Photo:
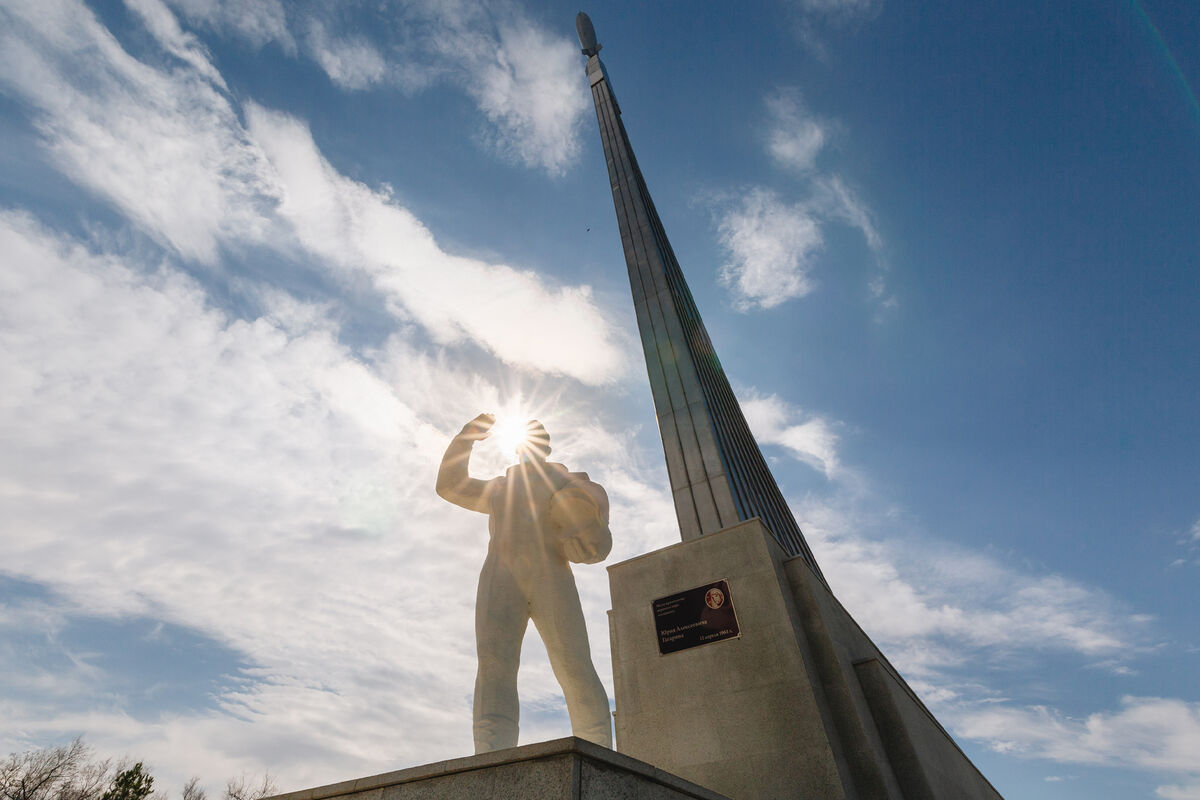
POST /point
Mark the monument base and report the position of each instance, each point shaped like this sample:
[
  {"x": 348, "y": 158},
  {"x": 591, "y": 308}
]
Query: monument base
[
  {"x": 735, "y": 667},
  {"x": 570, "y": 769}
]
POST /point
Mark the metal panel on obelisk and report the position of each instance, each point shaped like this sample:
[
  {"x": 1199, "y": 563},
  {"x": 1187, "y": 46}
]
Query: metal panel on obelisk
[{"x": 734, "y": 665}]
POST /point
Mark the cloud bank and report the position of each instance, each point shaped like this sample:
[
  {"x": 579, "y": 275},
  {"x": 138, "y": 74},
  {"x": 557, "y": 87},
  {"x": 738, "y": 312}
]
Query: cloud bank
[
  {"x": 167, "y": 149},
  {"x": 255, "y": 482}
]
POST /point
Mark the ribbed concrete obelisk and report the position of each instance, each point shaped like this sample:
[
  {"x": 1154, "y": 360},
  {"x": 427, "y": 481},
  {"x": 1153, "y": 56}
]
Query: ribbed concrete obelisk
[
  {"x": 718, "y": 474},
  {"x": 734, "y": 666}
]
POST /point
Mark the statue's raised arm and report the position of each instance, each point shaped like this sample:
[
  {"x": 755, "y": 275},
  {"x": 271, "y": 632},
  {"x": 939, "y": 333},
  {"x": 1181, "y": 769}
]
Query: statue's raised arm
[{"x": 454, "y": 482}]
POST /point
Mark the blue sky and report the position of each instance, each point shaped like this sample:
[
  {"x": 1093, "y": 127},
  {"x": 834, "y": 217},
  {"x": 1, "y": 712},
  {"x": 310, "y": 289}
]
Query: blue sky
[{"x": 262, "y": 259}]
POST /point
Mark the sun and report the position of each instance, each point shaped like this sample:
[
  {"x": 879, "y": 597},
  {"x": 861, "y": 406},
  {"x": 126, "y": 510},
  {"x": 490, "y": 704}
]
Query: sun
[{"x": 510, "y": 431}]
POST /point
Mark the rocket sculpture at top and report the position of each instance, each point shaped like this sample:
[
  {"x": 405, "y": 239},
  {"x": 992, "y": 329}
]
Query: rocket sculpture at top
[{"x": 718, "y": 475}]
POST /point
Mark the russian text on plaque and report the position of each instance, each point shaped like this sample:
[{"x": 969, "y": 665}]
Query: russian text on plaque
[{"x": 694, "y": 617}]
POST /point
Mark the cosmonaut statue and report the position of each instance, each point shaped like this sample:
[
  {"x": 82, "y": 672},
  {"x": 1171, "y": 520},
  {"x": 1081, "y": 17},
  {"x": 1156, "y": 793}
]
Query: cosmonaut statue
[{"x": 540, "y": 517}]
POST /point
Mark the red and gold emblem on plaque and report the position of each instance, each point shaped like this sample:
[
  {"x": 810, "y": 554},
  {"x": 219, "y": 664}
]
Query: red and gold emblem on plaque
[{"x": 714, "y": 598}]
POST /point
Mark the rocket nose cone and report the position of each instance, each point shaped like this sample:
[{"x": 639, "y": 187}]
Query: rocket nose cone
[{"x": 587, "y": 34}]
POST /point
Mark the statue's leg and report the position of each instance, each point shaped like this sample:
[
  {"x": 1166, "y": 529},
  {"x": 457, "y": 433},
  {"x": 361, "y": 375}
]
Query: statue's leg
[
  {"x": 558, "y": 616},
  {"x": 501, "y": 616}
]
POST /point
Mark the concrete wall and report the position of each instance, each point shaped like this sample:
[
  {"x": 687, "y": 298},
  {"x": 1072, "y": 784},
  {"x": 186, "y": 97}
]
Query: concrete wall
[
  {"x": 922, "y": 758},
  {"x": 563, "y": 769},
  {"x": 732, "y": 715},
  {"x": 802, "y": 705}
]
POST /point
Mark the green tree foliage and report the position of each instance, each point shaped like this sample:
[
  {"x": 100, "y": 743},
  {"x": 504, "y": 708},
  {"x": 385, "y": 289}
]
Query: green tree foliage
[{"x": 134, "y": 783}]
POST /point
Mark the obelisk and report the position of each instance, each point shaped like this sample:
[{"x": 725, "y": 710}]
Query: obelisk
[
  {"x": 734, "y": 666},
  {"x": 718, "y": 474}
]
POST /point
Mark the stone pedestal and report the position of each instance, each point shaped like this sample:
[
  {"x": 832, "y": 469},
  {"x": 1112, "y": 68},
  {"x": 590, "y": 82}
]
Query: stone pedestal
[
  {"x": 563, "y": 769},
  {"x": 801, "y": 704}
]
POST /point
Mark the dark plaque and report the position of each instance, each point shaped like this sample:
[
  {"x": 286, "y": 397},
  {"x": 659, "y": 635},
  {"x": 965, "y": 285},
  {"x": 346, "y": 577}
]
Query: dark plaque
[{"x": 697, "y": 616}]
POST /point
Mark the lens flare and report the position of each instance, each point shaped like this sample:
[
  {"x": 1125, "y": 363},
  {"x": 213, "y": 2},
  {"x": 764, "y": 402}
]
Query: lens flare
[{"x": 510, "y": 432}]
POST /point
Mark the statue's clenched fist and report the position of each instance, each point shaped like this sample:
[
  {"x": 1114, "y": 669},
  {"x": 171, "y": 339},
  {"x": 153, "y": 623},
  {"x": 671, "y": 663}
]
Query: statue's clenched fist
[{"x": 479, "y": 428}]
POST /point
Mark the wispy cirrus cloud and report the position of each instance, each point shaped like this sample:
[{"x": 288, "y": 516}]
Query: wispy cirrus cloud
[
  {"x": 812, "y": 15},
  {"x": 1190, "y": 543},
  {"x": 167, "y": 148},
  {"x": 163, "y": 25},
  {"x": 794, "y": 137},
  {"x": 350, "y": 226},
  {"x": 259, "y": 484},
  {"x": 350, "y": 61},
  {"x": 808, "y": 437},
  {"x": 258, "y": 22},
  {"x": 773, "y": 244},
  {"x": 1145, "y": 732},
  {"x": 839, "y": 8},
  {"x": 163, "y": 146},
  {"x": 1148, "y": 733},
  {"x": 168, "y": 460},
  {"x": 939, "y": 611},
  {"x": 931, "y": 605},
  {"x": 524, "y": 79}
]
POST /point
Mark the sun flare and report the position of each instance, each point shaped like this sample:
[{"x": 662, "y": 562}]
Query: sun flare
[{"x": 510, "y": 432}]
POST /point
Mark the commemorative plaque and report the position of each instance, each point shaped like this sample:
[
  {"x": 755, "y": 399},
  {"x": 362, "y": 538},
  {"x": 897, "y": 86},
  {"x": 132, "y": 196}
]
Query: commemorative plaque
[{"x": 695, "y": 617}]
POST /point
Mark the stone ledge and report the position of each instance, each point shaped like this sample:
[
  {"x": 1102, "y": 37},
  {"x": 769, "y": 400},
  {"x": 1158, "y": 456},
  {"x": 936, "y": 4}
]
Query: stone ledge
[{"x": 551, "y": 769}]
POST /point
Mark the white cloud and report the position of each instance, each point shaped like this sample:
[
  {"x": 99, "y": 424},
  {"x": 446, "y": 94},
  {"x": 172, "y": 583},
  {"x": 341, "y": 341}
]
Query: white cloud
[
  {"x": 527, "y": 82},
  {"x": 840, "y": 8},
  {"x": 168, "y": 150},
  {"x": 166, "y": 458},
  {"x": 771, "y": 245},
  {"x": 531, "y": 91},
  {"x": 933, "y": 608},
  {"x": 162, "y": 24},
  {"x": 811, "y": 440},
  {"x": 1179, "y": 792},
  {"x": 259, "y": 22},
  {"x": 510, "y": 311},
  {"x": 256, "y": 482},
  {"x": 350, "y": 62},
  {"x": 795, "y": 137},
  {"x": 940, "y": 613},
  {"x": 838, "y": 201},
  {"x": 165, "y": 148},
  {"x": 1149, "y": 733},
  {"x": 812, "y": 15}
]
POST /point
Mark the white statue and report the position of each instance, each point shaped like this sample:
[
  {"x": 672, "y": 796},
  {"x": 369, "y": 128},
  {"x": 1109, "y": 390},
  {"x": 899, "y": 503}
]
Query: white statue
[{"x": 540, "y": 516}]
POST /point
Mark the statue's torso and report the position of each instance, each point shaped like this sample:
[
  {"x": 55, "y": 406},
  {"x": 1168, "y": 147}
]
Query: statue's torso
[{"x": 522, "y": 535}]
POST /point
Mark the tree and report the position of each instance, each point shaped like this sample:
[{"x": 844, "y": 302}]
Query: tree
[
  {"x": 245, "y": 789},
  {"x": 57, "y": 773},
  {"x": 131, "y": 784},
  {"x": 193, "y": 791},
  {"x": 70, "y": 772}
]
